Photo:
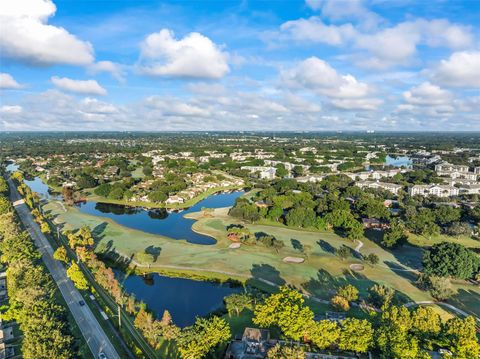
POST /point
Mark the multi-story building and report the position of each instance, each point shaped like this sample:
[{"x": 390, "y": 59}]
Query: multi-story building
[
  {"x": 448, "y": 167},
  {"x": 391, "y": 187},
  {"x": 263, "y": 172},
  {"x": 434, "y": 190}
]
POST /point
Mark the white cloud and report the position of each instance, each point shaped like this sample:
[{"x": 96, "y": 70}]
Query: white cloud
[
  {"x": 378, "y": 48},
  {"x": 313, "y": 29},
  {"x": 110, "y": 67},
  {"x": 194, "y": 56},
  {"x": 366, "y": 104},
  {"x": 28, "y": 37},
  {"x": 87, "y": 87},
  {"x": 8, "y": 82},
  {"x": 346, "y": 9},
  {"x": 345, "y": 91},
  {"x": 169, "y": 106},
  {"x": 94, "y": 106},
  {"x": 11, "y": 110},
  {"x": 397, "y": 45},
  {"x": 428, "y": 101},
  {"x": 462, "y": 69},
  {"x": 427, "y": 94}
]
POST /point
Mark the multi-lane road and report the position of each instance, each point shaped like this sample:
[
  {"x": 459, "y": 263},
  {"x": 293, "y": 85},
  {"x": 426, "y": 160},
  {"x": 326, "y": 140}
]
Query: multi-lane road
[{"x": 93, "y": 333}]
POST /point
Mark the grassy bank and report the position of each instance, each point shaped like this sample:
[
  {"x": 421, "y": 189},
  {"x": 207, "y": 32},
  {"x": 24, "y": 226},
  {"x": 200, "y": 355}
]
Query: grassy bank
[{"x": 90, "y": 196}]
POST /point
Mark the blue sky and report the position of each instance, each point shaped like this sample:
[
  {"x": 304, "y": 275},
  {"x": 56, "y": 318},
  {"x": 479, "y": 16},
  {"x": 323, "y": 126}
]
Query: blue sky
[{"x": 239, "y": 65}]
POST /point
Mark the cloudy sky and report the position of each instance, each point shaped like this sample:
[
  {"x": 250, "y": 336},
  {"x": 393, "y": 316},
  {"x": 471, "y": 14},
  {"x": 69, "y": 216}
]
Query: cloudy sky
[{"x": 239, "y": 65}]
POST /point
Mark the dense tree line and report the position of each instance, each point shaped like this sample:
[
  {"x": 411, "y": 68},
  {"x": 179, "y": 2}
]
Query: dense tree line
[
  {"x": 31, "y": 293},
  {"x": 395, "y": 332}
]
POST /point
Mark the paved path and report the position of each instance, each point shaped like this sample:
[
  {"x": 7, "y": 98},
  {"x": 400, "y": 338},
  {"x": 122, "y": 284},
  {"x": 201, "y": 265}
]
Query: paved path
[
  {"x": 359, "y": 246},
  {"x": 93, "y": 333}
]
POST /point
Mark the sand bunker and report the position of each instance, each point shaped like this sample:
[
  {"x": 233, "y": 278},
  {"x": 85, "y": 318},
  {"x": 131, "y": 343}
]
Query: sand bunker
[
  {"x": 357, "y": 267},
  {"x": 234, "y": 245},
  {"x": 293, "y": 260}
]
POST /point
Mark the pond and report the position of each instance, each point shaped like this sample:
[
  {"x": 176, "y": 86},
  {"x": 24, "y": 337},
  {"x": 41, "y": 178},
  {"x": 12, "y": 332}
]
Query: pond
[
  {"x": 36, "y": 185},
  {"x": 185, "y": 299},
  {"x": 159, "y": 221},
  {"x": 401, "y": 161}
]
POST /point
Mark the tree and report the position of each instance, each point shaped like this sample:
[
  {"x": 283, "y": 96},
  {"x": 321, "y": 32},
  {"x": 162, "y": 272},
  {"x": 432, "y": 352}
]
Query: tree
[
  {"x": 60, "y": 254},
  {"x": 157, "y": 196},
  {"x": 459, "y": 228},
  {"x": 275, "y": 212},
  {"x": 356, "y": 335},
  {"x": 340, "y": 303},
  {"x": 349, "y": 292},
  {"x": 103, "y": 190},
  {"x": 236, "y": 303},
  {"x": 77, "y": 277},
  {"x": 45, "y": 228},
  {"x": 116, "y": 193},
  {"x": 425, "y": 323},
  {"x": 392, "y": 336},
  {"x": 395, "y": 235},
  {"x": 343, "y": 252},
  {"x": 462, "y": 338},
  {"x": 144, "y": 257},
  {"x": 286, "y": 352},
  {"x": 5, "y": 205},
  {"x": 324, "y": 333},
  {"x": 372, "y": 258},
  {"x": 445, "y": 215},
  {"x": 169, "y": 330},
  {"x": 440, "y": 287},
  {"x": 380, "y": 295},
  {"x": 196, "y": 341},
  {"x": 286, "y": 311},
  {"x": 450, "y": 260}
]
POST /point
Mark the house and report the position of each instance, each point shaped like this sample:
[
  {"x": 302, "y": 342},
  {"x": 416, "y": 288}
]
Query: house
[
  {"x": 254, "y": 344},
  {"x": 391, "y": 187},
  {"x": 470, "y": 189},
  {"x": 174, "y": 200},
  {"x": 374, "y": 223},
  {"x": 310, "y": 178},
  {"x": 434, "y": 190}
]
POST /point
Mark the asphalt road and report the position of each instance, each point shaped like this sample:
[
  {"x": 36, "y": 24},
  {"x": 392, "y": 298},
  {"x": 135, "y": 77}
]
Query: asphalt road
[{"x": 93, "y": 333}]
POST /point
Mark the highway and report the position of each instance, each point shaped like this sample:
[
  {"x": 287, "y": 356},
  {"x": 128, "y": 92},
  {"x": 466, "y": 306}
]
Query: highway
[{"x": 93, "y": 333}]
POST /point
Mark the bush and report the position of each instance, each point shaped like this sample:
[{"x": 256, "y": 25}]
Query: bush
[{"x": 339, "y": 303}]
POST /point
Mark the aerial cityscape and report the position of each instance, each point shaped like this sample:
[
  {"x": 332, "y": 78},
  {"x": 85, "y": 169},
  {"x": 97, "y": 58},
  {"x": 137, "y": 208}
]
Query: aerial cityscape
[{"x": 239, "y": 179}]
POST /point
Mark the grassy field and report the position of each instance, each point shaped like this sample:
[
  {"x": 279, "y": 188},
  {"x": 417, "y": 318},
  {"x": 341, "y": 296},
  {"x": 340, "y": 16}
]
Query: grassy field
[{"x": 320, "y": 274}]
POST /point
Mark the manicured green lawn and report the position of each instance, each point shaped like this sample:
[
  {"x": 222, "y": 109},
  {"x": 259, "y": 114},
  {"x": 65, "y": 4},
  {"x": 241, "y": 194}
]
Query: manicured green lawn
[{"x": 320, "y": 275}]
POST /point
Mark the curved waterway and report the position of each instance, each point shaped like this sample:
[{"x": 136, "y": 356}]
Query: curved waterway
[
  {"x": 159, "y": 221},
  {"x": 185, "y": 299}
]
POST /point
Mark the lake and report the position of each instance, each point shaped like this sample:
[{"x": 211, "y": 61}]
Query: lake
[
  {"x": 185, "y": 299},
  {"x": 401, "y": 161},
  {"x": 159, "y": 221}
]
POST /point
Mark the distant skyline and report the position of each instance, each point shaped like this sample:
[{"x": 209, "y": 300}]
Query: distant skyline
[{"x": 318, "y": 65}]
